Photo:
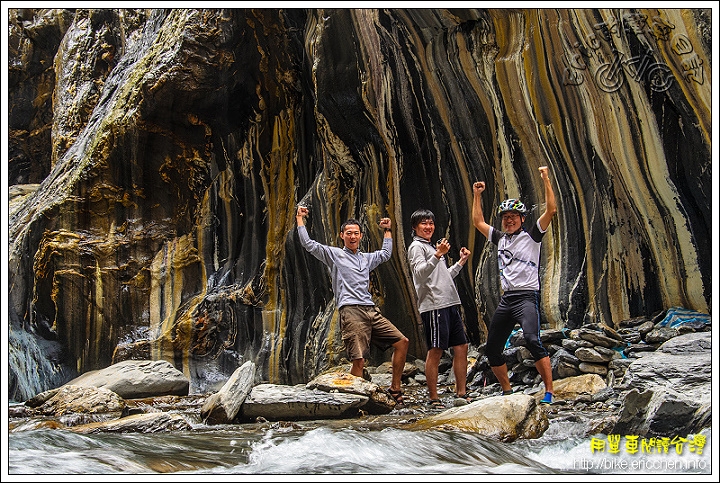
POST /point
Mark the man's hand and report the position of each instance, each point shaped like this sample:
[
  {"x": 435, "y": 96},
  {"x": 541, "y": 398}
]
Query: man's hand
[
  {"x": 464, "y": 255},
  {"x": 442, "y": 247},
  {"x": 479, "y": 186},
  {"x": 302, "y": 211},
  {"x": 543, "y": 172},
  {"x": 385, "y": 223}
]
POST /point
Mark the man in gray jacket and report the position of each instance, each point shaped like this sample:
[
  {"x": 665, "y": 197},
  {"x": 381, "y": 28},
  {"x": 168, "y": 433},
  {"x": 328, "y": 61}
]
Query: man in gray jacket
[
  {"x": 360, "y": 320},
  {"x": 438, "y": 303}
]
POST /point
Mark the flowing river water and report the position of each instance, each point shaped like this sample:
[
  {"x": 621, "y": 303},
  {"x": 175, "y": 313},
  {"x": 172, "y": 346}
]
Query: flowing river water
[{"x": 344, "y": 447}]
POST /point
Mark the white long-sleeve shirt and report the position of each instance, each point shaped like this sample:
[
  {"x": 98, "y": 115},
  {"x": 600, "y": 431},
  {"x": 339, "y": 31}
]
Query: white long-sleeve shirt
[{"x": 433, "y": 280}]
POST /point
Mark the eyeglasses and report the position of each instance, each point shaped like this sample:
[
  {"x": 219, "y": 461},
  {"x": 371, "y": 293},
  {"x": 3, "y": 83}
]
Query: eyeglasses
[{"x": 510, "y": 216}]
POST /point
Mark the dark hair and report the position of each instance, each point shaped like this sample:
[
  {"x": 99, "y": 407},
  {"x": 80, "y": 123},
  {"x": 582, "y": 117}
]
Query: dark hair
[
  {"x": 350, "y": 221},
  {"x": 421, "y": 215}
]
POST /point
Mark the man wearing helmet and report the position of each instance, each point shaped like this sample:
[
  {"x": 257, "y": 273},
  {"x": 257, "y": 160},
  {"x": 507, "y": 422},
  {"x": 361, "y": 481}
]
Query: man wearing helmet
[{"x": 518, "y": 261}]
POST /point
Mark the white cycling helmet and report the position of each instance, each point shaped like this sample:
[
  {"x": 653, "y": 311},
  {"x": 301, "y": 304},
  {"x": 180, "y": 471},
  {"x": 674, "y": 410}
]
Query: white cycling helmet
[{"x": 512, "y": 204}]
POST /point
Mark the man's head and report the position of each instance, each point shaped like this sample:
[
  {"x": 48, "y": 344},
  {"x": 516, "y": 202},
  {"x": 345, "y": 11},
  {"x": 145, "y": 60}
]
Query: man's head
[
  {"x": 512, "y": 213},
  {"x": 351, "y": 234},
  {"x": 423, "y": 223}
]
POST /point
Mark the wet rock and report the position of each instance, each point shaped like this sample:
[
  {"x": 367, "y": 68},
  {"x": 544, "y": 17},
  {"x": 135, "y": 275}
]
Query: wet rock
[
  {"x": 138, "y": 350},
  {"x": 505, "y": 418},
  {"x": 138, "y": 423}
]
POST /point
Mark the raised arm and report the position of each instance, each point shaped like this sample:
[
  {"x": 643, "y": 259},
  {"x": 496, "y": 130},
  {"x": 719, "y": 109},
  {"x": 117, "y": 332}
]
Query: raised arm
[
  {"x": 300, "y": 215},
  {"x": 550, "y": 206},
  {"x": 477, "y": 213},
  {"x": 318, "y": 250},
  {"x": 386, "y": 225}
]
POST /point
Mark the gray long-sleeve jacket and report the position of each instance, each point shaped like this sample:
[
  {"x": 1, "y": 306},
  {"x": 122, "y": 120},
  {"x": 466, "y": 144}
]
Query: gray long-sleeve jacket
[
  {"x": 350, "y": 272},
  {"x": 433, "y": 279}
]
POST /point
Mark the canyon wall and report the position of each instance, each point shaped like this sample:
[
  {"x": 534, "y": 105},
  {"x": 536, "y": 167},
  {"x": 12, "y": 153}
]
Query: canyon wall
[{"x": 156, "y": 159}]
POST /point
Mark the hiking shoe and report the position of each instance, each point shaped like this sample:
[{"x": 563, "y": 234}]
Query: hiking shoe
[{"x": 548, "y": 399}]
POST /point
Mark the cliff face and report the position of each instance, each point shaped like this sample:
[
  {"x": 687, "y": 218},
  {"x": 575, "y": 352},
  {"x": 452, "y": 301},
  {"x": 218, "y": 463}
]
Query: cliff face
[{"x": 171, "y": 148}]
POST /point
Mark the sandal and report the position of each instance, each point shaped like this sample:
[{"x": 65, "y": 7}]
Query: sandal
[
  {"x": 465, "y": 397},
  {"x": 437, "y": 404},
  {"x": 396, "y": 395}
]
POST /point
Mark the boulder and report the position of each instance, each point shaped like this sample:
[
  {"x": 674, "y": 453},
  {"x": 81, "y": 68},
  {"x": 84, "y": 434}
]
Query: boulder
[
  {"x": 223, "y": 406},
  {"x": 280, "y": 402},
  {"x": 595, "y": 337},
  {"x": 137, "y": 379},
  {"x": 504, "y": 418},
  {"x": 565, "y": 369},
  {"x": 661, "y": 334},
  {"x": 70, "y": 399},
  {"x": 669, "y": 391},
  {"x": 138, "y": 423},
  {"x": 588, "y": 354},
  {"x": 571, "y": 388},
  {"x": 379, "y": 400},
  {"x": 590, "y": 368},
  {"x": 409, "y": 370}
]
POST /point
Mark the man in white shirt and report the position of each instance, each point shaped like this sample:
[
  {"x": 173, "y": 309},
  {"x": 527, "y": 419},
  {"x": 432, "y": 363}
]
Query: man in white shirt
[{"x": 518, "y": 261}]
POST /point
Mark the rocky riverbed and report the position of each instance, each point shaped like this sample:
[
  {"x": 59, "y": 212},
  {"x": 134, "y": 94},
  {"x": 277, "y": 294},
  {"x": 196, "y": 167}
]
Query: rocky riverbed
[{"x": 602, "y": 377}]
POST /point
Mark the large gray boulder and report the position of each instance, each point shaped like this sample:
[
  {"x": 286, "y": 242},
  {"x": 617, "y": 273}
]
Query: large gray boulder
[
  {"x": 133, "y": 379},
  {"x": 669, "y": 391}
]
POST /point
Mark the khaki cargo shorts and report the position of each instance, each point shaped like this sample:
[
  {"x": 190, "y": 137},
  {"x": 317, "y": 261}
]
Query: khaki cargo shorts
[{"x": 362, "y": 325}]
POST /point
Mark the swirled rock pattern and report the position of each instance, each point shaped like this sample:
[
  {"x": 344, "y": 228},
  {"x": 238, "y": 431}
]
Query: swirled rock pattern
[{"x": 170, "y": 148}]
